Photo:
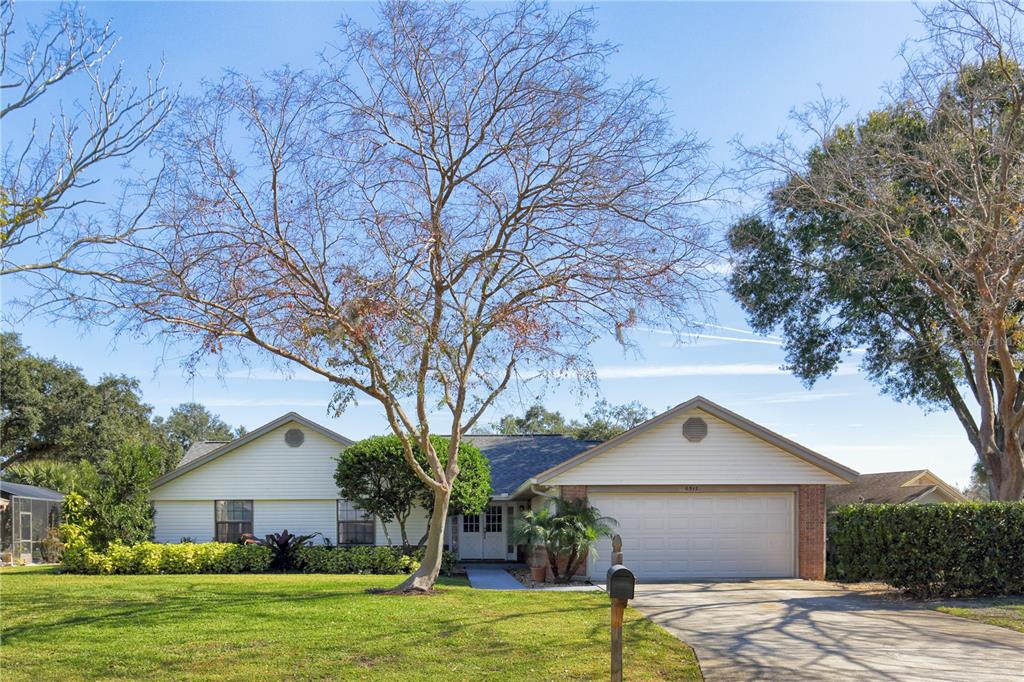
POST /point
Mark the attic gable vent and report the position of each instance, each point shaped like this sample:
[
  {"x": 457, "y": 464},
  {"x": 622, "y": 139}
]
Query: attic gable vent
[
  {"x": 695, "y": 429},
  {"x": 294, "y": 437}
]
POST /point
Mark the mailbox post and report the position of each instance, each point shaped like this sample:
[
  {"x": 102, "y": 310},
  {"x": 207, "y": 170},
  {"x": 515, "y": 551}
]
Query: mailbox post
[{"x": 620, "y": 584}]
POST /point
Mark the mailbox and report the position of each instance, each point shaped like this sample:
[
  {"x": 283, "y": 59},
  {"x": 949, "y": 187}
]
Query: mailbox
[{"x": 620, "y": 582}]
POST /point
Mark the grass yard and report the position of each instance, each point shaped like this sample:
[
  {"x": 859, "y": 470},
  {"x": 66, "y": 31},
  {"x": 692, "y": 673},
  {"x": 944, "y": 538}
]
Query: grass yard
[
  {"x": 245, "y": 627},
  {"x": 1006, "y": 612}
]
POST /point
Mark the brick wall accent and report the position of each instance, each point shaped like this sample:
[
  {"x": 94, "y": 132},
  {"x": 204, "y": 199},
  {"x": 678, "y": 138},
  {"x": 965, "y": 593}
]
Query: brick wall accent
[
  {"x": 810, "y": 520},
  {"x": 574, "y": 492}
]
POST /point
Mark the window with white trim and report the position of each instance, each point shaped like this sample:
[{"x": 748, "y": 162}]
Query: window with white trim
[
  {"x": 355, "y": 527},
  {"x": 232, "y": 519},
  {"x": 470, "y": 523}
]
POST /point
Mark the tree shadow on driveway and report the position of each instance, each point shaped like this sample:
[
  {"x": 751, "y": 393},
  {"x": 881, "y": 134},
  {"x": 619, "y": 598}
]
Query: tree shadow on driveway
[{"x": 788, "y": 629}]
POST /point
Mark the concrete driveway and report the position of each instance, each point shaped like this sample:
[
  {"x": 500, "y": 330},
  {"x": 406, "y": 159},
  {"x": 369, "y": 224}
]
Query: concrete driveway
[{"x": 800, "y": 630}]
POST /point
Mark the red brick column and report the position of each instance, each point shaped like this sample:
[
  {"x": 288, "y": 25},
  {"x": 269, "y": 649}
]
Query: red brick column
[
  {"x": 810, "y": 520},
  {"x": 574, "y": 492}
]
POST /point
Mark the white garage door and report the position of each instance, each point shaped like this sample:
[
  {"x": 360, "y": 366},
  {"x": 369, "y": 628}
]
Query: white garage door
[{"x": 679, "y": 536}]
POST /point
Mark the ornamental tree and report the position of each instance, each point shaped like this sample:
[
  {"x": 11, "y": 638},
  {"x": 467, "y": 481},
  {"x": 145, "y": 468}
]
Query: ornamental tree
[
  {"x": 97, "y": 118},
  {"x": 458, "y": 199},
  {"x": 374, "y": 475}
]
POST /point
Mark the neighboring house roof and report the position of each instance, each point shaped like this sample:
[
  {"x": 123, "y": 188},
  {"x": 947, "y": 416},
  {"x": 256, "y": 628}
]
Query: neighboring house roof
[
  {"x": 514, "y": 459},
  {"x": 33, "y": 491},
  {"x": 715, "y": 410},
  {"x": 200, "y": 448},
  {"x": 188, "y": 465},
  {"x": 891, "y": 487}
]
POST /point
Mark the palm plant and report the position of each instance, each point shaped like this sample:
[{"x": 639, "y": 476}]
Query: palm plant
[{"x": 569, "y": 532}]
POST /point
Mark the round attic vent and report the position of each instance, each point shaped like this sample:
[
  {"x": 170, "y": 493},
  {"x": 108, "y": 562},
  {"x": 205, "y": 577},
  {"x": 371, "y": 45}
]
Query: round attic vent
[
  {"x": 695, "y": 429},
  {"x": 294, "y": 437}
]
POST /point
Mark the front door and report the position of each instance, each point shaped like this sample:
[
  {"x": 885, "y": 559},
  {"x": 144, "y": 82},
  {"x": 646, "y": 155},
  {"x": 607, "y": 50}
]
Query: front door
[
  {"x": 25, "y": 537},
  {"x": 484, "y": 536}
]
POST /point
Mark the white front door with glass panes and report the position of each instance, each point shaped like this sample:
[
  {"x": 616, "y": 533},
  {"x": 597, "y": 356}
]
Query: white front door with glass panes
[{"x": 484, "y": 536}]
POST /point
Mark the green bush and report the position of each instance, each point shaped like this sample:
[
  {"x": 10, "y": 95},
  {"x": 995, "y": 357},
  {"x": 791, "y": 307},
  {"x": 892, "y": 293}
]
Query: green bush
[
  {"x": 150, "y": 557},
  {"x": 378, "y": 560},
  {"x": 941, "y": 550},
  {"x": 219, "y": 557},
  {"x": 448, "y": 560}
]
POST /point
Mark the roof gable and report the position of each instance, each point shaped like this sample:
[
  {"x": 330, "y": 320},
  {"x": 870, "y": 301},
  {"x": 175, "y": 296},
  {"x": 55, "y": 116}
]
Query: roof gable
[
  {"x": 892, "y": 487},
  {"x": 204, "y": 455},
  {"x": 771, "y": 444}
]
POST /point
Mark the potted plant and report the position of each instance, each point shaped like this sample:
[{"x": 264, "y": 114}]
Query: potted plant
[
  {"x": 567, "y": 534},
  {"x": 577, "y": 527}
]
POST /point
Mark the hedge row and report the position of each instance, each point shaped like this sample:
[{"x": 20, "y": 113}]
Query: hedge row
[
  {"x": 219, "y": 557},
  {"x": 379, "y": 560},
  {"x": 941, "y": 550},
  {"x": 150, "y": 557}
]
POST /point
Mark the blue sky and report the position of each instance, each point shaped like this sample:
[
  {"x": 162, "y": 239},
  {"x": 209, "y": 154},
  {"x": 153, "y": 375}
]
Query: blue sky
[{"x": 727, "y": 69}]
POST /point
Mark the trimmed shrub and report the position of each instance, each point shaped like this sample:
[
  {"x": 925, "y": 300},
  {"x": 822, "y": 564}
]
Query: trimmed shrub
[
  {"x": 378, "y": 560},
  {"x": 150, "y": 557},
  {"x": 942, "y": 550}
]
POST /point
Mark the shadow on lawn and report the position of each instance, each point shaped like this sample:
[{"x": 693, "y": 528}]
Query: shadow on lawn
[{"x": 142, "y": 610}]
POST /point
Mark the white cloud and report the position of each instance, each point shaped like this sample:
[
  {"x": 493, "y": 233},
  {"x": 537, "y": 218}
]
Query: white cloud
[
  {"x": 271, "y": 402},
  {"x": 271, "y": 374},
  {"x": 768, "y": 342},
  {"x": 658, "y": 371},
  {"x": 801, "y": 397},
  {"x": 758, "y": 338}
]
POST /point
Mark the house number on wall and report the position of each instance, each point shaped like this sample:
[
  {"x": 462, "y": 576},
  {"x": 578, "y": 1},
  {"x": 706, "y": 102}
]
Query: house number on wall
[{"x": 691, "y": 488}]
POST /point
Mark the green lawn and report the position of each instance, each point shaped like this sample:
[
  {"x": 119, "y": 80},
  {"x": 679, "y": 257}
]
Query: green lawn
[
  {"x": 245, "y": 627},
  {"x": 1007, "y": 612}
]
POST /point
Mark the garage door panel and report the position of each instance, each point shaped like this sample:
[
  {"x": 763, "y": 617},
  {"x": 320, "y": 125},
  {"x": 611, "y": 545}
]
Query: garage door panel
[{"x": 669, "y": 536}]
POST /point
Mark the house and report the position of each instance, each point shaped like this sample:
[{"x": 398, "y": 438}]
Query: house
[
  {"x": 698, "y": 492},
  {"x": 27, "y": 513},
  {"x": 894, "y": 487}
]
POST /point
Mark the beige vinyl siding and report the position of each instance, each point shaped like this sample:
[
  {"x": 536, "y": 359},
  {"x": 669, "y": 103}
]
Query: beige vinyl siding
[
  {"x": 415, "y": 527},
  {"x": 934, "y": 497},
  {"x": 177, "y": 519},
  {"x": 300, "y": 517},
  {"x": 662, "y": 456},
  {"x": 266, "y": 469}
]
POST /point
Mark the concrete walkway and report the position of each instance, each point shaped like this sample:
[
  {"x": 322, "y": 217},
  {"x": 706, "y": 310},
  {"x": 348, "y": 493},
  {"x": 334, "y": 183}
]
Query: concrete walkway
[
  {"x": 491, "y": 577},
  {"x": 800, "y": 630}
]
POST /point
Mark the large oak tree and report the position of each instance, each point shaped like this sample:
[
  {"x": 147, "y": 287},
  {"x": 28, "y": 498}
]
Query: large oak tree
[
  {"x": 459, "y": 199},
  {"x": 902, "y": 233}
]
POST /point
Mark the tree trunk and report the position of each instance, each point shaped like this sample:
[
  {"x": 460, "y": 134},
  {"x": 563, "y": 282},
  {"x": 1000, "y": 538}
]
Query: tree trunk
[
  {"x": 1006, "y": 479},
  {"x": 401, "y": 530},
  {"x": 423, "y": 579},
  {"x": 553, "y": 561}
]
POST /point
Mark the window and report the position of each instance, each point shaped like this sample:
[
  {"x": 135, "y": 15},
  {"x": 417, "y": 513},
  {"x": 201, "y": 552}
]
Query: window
[
  {"x": 492, "y": 520},
  {"x": 233, "y": 519},
  {"x": 355, "y": 527},
  {"x": 470, "y": 523}
]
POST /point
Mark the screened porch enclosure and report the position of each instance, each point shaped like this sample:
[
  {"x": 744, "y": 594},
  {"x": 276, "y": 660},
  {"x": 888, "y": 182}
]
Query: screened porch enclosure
[{"x": 25, "y": 521}]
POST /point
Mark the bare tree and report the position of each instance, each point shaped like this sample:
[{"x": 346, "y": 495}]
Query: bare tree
[
  {"x": 458, "y": 199},
  {"x": 44, "y": 176},
  {"x": 929, "y": 191}
]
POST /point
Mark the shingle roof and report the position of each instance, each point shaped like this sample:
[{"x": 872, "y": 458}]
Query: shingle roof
[
  {"x": 514, "y": 459},
  {"x": 200, "y": 448},
  {"x": 882, "y": 488},
  {"x": 22, "y": 490}
]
